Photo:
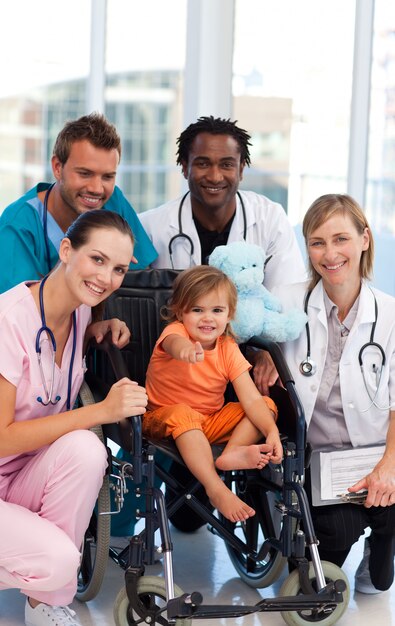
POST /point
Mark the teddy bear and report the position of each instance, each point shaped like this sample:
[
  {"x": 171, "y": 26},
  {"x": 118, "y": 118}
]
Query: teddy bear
[{"x": 258, "y": 311}]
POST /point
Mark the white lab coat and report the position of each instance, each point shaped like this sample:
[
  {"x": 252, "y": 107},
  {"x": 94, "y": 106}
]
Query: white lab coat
[
  {"x": 267, "y": 226},
  {"x": 365, "y": 427}
]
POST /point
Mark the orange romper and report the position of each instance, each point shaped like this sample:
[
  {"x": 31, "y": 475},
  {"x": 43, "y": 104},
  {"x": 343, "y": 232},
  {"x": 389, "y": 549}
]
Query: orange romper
[{"x": 187, "y": 396}]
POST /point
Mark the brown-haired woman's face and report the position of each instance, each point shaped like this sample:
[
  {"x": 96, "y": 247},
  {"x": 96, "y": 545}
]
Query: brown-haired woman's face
[
  {"x": 335, "y": 249},
  {"x": 96, "y": 269}
]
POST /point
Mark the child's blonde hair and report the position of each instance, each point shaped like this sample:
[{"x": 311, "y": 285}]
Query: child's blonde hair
[{"x": 192, "y": 284}]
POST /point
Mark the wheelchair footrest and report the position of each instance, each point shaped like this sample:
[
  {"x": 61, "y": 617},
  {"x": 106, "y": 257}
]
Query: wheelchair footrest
[{"x": 189, "y": 605}]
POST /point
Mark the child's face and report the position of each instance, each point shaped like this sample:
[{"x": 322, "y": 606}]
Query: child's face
[{"x": 207, "y": 319}]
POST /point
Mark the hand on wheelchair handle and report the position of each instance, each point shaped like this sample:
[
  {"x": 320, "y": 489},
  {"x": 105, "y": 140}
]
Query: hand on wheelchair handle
[
  {"x": 125, "y": 398},
  {"x": 264, "y": 373},
  {"x": 116, "y": 329}
]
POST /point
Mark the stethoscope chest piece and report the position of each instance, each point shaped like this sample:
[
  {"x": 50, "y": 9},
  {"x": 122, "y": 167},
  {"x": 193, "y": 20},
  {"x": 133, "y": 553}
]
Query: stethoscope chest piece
[{"x": 308, "y": 367}]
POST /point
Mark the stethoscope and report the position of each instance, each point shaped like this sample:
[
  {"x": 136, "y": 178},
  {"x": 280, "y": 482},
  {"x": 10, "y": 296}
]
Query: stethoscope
[
  {"x": 45, "y": 226},
  {"x": 308, "y": 367},
  {"x": 183, "y": 235},
  {"x": 49, "y": 393}
]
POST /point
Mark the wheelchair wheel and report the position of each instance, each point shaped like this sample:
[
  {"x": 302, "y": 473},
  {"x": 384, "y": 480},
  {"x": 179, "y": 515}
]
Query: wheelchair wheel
[
  {"x": 265, "y": 523},
  {"x": 97, "y": 537},
  {"x": 152, "y": 593},
  {"x": 327, "y": 617}
]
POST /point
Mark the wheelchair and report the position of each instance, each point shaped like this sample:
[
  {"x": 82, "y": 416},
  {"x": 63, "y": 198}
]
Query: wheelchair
[{"x": 281, "y": 532}]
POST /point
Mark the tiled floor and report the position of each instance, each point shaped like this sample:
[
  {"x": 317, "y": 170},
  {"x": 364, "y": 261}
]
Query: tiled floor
[{"x": 201, "y": 563}]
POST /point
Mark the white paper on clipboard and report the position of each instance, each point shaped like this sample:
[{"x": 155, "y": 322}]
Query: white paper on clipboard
[{"x": 332, "y": 472}]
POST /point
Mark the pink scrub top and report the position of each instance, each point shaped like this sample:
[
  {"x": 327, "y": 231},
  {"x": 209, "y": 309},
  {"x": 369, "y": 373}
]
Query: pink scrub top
[{"x": 19, "y": 322}]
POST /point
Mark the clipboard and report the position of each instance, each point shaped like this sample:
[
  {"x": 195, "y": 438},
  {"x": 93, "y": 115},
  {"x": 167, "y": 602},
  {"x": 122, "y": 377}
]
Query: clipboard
[{"x": 333, "y": 471}]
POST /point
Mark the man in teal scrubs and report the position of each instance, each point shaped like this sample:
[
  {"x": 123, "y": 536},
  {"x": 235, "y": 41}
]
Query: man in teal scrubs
[{"x": 84, "y": 163}]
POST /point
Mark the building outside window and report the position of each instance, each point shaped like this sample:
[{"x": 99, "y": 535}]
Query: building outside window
[{"x": 292, "y": 84}]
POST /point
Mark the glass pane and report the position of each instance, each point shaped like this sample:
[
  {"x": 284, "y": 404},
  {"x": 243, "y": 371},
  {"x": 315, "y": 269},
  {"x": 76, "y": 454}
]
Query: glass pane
[
  {"x": 144, "y": 88},
  {"x": 44, "y": 47},
  {"x": 292, "y": 80},
  {"x": 380, "y": 190},
  {"x": 380, "y": 184}
]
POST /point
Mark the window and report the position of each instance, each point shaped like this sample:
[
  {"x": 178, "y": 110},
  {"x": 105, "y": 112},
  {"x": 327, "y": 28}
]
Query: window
[
  {"x": 144, "y": 70},
  {"x": 292, "y": 81},
  {"x": 380, "y": 190},
  {"x": 42, "y": 84}
]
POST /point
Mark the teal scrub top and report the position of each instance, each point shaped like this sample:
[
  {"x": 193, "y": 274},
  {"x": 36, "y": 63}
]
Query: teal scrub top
[{"x": 22, "y": 243}]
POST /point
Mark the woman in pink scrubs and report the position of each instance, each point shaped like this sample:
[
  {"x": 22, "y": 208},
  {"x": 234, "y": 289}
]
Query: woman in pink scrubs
[{"x": 51, "y": 465}]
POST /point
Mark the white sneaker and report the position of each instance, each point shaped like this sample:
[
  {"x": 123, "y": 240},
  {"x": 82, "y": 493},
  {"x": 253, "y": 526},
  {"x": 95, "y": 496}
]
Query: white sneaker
[
  {"x": 363, "y": 582},
  {"x": 46, "y": 615}
]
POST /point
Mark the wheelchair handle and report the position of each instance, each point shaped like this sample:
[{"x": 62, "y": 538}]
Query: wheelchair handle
[
  {"x": 130, "y": 429},
  {"x": 114, "y": 355},
  {"x": 289, "y": 383},
  {"x": 278, "y": 358}
]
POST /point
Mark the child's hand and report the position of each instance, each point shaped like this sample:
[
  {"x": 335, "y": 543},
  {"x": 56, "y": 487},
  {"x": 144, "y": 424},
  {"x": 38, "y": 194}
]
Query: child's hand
[
  {"x": 273, "y": 438},
  {"x": 193, "y": 353}
]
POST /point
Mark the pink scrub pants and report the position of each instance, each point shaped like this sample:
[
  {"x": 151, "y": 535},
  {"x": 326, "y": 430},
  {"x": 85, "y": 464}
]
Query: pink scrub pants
[{"x": 45, "y": 508}]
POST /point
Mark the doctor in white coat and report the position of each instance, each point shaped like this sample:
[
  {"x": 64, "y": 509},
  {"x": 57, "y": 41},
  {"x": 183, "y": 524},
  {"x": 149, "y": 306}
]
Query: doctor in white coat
[
  {"x": 344, "y": 369},
  {"x": 255, "y": 218},
  {"x": 213, "y": 153}
]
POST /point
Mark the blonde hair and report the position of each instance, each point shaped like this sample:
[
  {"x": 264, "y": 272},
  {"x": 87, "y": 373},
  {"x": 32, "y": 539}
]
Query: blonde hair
[
  {"x": 192, "y": 284},
  {"x": 323, "y": 209}
]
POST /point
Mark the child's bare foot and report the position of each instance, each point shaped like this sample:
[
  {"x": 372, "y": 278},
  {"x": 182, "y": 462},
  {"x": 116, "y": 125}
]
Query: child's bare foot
[
  {"x": 254, "y": 456},
  {"x": 230, "y": 505}
]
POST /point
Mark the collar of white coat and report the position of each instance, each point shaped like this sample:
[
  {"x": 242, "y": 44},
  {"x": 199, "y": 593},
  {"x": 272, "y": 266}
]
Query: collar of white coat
[{"x": 366, "y": 310}]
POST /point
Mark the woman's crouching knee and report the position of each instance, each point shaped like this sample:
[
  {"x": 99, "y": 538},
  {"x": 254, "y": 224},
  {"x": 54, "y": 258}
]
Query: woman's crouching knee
[
  {"x": 87, "y": 451},
  {"x": 56, "y": 569}
]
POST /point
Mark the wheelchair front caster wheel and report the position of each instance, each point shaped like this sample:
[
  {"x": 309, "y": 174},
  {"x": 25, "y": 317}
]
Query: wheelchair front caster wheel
[
  {"x": 152, "y": 594},
  {"x": 323, "y": 617}
]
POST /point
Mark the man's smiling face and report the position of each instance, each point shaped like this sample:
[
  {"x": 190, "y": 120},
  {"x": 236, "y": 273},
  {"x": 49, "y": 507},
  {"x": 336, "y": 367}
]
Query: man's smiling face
[{"x": 213, "y": 171}]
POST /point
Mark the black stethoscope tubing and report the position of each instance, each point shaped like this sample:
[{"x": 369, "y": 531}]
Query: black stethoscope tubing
[
  {"x": 308, "y": 367},
  {"x": 371, "y": 341},
  {"x": 183, "y": 235},
  {"x": 45, "y": 226},
  {"x": 46, "y": 329}
]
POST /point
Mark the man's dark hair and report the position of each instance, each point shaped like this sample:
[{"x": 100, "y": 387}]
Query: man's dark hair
[
  {"x": 94, "y": 127},
  {"x": 214, "y": 126}
]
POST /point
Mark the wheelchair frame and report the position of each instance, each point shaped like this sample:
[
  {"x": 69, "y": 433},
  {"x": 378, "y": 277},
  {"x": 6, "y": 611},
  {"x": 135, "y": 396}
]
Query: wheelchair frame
[{"x": 315, "y": 591}]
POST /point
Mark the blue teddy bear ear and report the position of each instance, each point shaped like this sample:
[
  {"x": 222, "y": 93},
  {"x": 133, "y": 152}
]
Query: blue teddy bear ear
[{"x": 216, "y": 257}]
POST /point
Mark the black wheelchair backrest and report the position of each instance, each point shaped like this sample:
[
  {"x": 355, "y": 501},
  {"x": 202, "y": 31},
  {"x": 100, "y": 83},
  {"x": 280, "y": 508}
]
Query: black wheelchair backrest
[{"x": 138, "y": 303}]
